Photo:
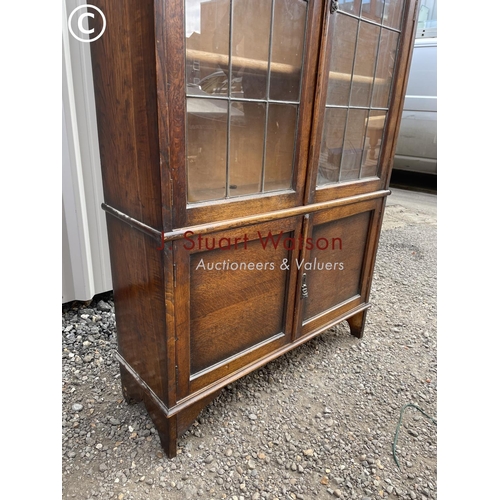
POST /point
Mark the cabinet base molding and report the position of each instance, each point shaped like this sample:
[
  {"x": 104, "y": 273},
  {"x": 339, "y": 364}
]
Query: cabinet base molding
[{"x": 171, "y": 423}]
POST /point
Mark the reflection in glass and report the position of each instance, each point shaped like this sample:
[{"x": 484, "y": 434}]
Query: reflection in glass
[
  {"x": 281, "y": 128},
  {"x": 361, "y": 73},
  {"x": 351, "y": 6},
  {"x": 364, "y": 66},
  {"x": 341, "y": 60},
  {"x": 331, "y": 145},
  {"x": 246, "y": 147},
  {"x": 250, "y": 149},
  {"x": 373, "y": 142},
  {"x": 427, "y": 18},
  {"x": 372, "y": 9},
  {"x": 385, "y": 68},
  {"x": 207, "y": 43},
  {"x": 287, "y": 49},
  {"x": 392, "y": 13},
  {"x": 353, "y": 151},
  {"x": 250, "y": 47},
  {"x": 206, "y": 149}
]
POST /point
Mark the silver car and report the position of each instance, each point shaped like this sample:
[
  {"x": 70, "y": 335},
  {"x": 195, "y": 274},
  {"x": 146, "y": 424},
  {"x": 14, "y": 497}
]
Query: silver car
[{"x": 416, "y": 149}]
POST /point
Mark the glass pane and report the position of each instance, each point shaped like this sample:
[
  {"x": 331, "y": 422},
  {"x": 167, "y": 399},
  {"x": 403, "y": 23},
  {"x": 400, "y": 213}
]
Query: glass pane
[
  {"x": 364, "y": 66},
  {"x": 331, "y": 145},
  {"x": 373, "y": 143},
  {"x": 392, "y": 13},
  {"x": 207, "y": 46},
  {"x": 206, "y": 149},
  {"x": 280, "y": 146},
  {"x": 246, "y": 147},
  {"x": 385, "y": 68},
  {"x": 372, "y": 9},
  {"x": 250, "y": 48},
  {"x": 351, "y": 6},
  {"x": 427, "y": 19},
  {"x": 353, "y": 151},
  {"x": 288, "y": 47},
  {"x": 341, "y": 60}
]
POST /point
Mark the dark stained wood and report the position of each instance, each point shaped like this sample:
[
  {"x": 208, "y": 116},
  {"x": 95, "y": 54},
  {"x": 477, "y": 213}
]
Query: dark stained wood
[
  {"x": 178, "y": 234},
  {"x": 318, "y": 111},
  {"x": 333, "y": 292},
  {"x": 169, "y": 20},
  {"x": 371, "y": 248},
  {"x": 357, "y": 323},
  {"x": 224, "y": 301},
  {"x": 130, "y": 388},
  {"x": 170, "y": 313},
  {"x": 182, "y": 310},
  {"x": 140, "y": 226},
  {"x": 309, "y": 95},
  {"x": 187, "y": 416},
  {"x": 388, "y": 146},
  {"x": 123, "y": 66},
  {"x": 260, "y": 361},
  {"x": 138, "y": 293},
  {"x": 348, "y": 189},
  {"x": 242, "y": 206},
  {"x": 217, "y": 328},
  {"x": 238, "y": 208},
  {"x": 184, "y": 332},
  {"x": 165, "y": 425},
  {"x": 402, "y": 72},
  {"x": 322, "y": 321},
  {"x": 340, "y": 266}
]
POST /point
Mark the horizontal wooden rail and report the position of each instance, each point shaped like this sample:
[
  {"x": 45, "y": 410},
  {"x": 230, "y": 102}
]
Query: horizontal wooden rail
[{"x": 212, "y": 227}]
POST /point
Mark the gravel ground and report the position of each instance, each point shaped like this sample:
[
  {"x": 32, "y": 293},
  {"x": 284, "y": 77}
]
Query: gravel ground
[{"x": 317, "y": 423}]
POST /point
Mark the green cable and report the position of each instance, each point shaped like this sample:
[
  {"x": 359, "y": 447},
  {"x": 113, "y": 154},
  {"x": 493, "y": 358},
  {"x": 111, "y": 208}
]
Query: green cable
[{"x": 394, "y": 443}]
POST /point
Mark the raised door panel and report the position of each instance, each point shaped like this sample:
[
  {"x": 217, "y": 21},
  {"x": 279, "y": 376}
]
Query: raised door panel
[
  {"x": 335, "y": 267},
  {"x": 234, "y": 307},
  {"x": 234, "y": 298}
]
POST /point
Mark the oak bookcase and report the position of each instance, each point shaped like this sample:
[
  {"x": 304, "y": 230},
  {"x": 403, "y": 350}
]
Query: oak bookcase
[{"x": 246, "y": 150}]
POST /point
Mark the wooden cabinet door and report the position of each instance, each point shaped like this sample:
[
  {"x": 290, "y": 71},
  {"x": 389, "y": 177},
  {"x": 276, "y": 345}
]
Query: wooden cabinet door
[
  {"x": 243, "y": 86},
  {"x": 234, "y": 299},
  {"x": 336, "y": 266},
  {"x": 272, "y": 106},
  {"x": 236, "y": 84},
  {"x": 360, "y": 92},
  {"x": 363, "y": 59}
]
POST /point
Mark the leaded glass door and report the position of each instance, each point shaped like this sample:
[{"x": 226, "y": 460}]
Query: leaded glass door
[
  {"x": 354, "y": 100},
  {"x": 356, "y": 115},
  {"x": 249, "y": 79}
]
